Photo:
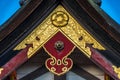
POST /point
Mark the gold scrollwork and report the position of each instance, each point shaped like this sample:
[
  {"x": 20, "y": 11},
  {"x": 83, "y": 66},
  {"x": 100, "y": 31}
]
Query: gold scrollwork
[
  {"x": 64, "y": 60},
  {"x": 49, "y": 27},
  {"x": 59, "y": 62},
  {"x": 117, "y": 71},
  {"x": 72, "y": 30},
  {"x": 53, "y": 61},
  {"x": 53, "y": 69},
  {"x": 38, "y": 37},
  {"x": 79, "y": 36},
  {"x": 64, "y": 69}
]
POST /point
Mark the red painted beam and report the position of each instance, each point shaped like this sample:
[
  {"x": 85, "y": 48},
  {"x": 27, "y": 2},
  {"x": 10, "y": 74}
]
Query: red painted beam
[
  {"x": 16, "y": 61},
  {"x": 105, "y": 64},
  {"x": 21, "y": 57}
]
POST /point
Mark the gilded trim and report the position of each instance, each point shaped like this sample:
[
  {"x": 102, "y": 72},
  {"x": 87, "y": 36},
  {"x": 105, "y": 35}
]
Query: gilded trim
[
  {"x": 78, "y": 35},
  {"x": 69, "y": 27},
  {"x": 117, "y": 70},
  {"x": 59, "y": 19},
  {"x": 72, "y": 30},
  {"x": 38, "y": 37},
  {"x": 59, "y": 60},
  {"x": 54, "y": 61}
]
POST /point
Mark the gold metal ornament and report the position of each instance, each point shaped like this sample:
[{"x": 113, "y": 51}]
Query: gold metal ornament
[
  {"x": 78, "y": 35},
  {"x": 59, "y": 19},
  {"x": 38, "y": 37},
  {"x": 54, "y": 23},
  {"x": 117, "y": 71}
]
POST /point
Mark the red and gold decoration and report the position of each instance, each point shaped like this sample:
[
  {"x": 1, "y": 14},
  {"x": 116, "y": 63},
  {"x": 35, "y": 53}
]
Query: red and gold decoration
[
  {"x": 59, "y": 34},
  {"x": 59, "y": 47}
]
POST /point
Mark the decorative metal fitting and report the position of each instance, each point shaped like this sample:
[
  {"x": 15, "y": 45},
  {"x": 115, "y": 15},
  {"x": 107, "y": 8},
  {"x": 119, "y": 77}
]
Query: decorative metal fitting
[
  {"x": 59, "y": 19},
  {"x": 59, "y": 45}
]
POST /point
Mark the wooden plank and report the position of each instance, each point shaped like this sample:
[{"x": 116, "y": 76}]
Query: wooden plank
[
  {"x": 12, "y": 76},
  {"x": 12, "y": 64},
  {"x": 25, "y": 28},
  {"x": 83, "y": 73},
  {"x": 38, "y": 72},
  {"x": 18, "y": 18},
  {"x": 62, "y": 77},
  {"x": 79, "y": 10},
  {"x": 102, "y": 62},
  {"x": 79, "y": 58},
  {"x": 104, "y": 22}
]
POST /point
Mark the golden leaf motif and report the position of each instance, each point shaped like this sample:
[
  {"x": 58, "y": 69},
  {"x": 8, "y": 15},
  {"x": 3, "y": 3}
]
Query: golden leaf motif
[
  {"x": 79, "y": 36},
  {"x": 72, "y": 30},
  {"x": 38, "y": 37}
]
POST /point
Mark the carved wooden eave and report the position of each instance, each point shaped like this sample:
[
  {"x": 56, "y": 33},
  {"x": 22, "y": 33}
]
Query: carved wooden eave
[
  {"x": 18, "y": 18},
  {"x": 87, "y": 16}
]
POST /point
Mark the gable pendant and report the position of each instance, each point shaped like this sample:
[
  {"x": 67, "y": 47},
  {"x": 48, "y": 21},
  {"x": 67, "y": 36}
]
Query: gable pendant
[
  {"x": 59, "y": 47},
  {"x": 59, "y": 34}
]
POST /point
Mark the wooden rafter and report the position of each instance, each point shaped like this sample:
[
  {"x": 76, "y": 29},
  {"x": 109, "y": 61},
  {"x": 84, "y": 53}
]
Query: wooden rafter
[
  {"x": 38, "y": 72},
  {"x": 19, "y": 18},
  {"x": 79, "y": 71},
  {"x": 62, "y": 77}
]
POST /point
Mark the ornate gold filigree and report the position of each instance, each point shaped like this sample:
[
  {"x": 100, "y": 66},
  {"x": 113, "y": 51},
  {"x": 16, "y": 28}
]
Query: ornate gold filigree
[
  {"x": 58, "y": 62},
  {"x": 64, "y": 69},
  {"x": 1, "y": 69},
  {"x": 59, "y": 19},
  {"x": 38, "y": 37},
  {"x": 117, "y": 70},
  {"x": 79, "y": 36},
  {"x": 50, "y": 26},
  {"x": 53, "y": 69},
  {"x": 72, "y": 30}
]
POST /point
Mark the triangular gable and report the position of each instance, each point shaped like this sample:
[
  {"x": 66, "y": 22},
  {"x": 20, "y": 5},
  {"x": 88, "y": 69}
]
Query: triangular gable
[{"x": 74, "y": 31}]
